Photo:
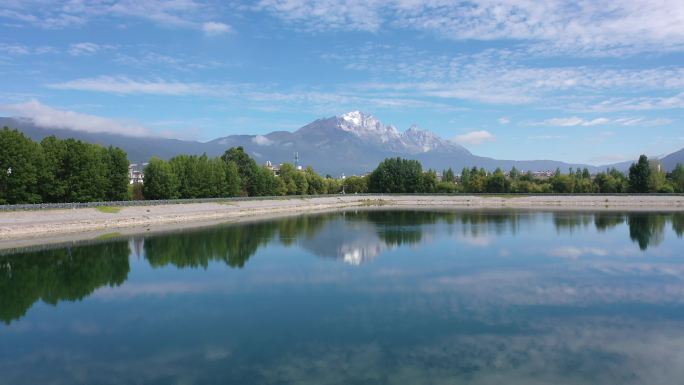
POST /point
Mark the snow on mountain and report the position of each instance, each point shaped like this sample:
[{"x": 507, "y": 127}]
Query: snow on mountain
[
  {"x": 352, "y": 143},
  {"x": 372, "y": 130},
  {"x": 367, "y": 127},
  {"x": 422, "y": 140}
]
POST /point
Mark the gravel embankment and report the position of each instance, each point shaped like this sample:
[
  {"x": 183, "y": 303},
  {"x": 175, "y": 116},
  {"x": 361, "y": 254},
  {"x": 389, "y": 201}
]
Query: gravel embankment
[{"x": 38, "y": 226}]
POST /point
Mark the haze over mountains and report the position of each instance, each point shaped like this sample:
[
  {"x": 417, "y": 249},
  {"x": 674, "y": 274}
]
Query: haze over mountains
[{"x": 352, "y": 143}]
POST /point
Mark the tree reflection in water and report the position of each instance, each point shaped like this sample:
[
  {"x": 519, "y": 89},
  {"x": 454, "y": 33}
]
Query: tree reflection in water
[
  {"x": 73, "y": 273},
  {"x": 65, "y": 274}
]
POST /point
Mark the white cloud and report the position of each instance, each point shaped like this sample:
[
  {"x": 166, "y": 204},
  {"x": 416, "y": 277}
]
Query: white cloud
[
  {"x": 49, "y": 117},
  {"x": 576, "y": 252},
  {"x": 600, "y": 27},
  {"x": 262, "y": 140},
  {"x": 82, "y": 49},
  {"x": 575, "y": 121},
  {"x": 263, "y": 97},
  {"x": 214, "y": 29},
  {"x": 19, "y": 49},
  {"x": 178, "y": 62},
  {"x": 58, "y": 14},
  {"x": 641, "y": 103},
  {"x": 125, "y": 85},
  {"x": 14, "y": 49},
  {"x": 504, "y": 76},
  {"x": 503, "y": 120},
  {"x": 639, "y": 121},
  {"x": 325, "y": 14},
  {"x": 477, "y": 240},
  {"x": 474, "y": 137}
]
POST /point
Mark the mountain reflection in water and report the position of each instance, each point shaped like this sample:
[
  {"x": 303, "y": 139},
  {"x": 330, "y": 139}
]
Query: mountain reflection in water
[
  {"x": 73, "y": 273},
  {"x": 473, "y": 297}
]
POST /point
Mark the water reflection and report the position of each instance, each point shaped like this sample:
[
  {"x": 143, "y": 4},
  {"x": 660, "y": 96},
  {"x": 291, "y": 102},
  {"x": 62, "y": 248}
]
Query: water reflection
[
  {"x": 472, "y": 297},
  {"x": 69, "y": 274}
]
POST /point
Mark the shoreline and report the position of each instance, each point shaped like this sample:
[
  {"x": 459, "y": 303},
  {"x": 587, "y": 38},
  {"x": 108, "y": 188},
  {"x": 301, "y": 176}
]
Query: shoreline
[{"x": 20, "y": 229}]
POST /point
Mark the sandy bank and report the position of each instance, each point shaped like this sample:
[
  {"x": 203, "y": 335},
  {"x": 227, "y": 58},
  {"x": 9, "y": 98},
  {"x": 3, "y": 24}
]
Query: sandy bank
[{"x": 21, "y": 228}]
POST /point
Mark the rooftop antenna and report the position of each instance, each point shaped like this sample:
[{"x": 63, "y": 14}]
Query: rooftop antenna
[{"x": 296, "y": 159}]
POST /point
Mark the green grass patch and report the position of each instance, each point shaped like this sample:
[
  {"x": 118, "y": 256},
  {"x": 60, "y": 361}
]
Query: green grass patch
[
  {"x": 108, "y": 209},
  {"x": 374, "y": 202},
  {"x": 109, "y": 236}
]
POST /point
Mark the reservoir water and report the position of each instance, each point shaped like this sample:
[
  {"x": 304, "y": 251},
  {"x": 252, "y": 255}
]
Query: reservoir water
[{"x": 367, "y": 297}]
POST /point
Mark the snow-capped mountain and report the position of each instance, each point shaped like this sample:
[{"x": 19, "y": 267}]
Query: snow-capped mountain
[
  {"x": 351, "y": 143},
  {"x": 367, "y": 127},
  {"x": 413, "y": 141}
]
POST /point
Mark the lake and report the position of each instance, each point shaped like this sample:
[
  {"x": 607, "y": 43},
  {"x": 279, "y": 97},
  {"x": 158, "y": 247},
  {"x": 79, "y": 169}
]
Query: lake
[{"x": 358, "y": 297}]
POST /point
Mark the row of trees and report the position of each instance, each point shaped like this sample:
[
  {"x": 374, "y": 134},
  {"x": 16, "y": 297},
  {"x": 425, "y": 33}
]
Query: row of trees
[
  {"x": 69, "y": 170},
  {"x": 55, "y": 170},
  {"x": 235, "y": 173},
  {"x": 396, "y": 175}
]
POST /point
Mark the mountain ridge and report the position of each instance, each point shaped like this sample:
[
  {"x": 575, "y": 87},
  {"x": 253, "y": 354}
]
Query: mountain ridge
[{"x": 352, "y": 143}]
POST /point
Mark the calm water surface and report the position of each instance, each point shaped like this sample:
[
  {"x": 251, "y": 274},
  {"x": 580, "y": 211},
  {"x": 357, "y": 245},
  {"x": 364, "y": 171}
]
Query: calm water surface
[{"x": 381, "y": 297}]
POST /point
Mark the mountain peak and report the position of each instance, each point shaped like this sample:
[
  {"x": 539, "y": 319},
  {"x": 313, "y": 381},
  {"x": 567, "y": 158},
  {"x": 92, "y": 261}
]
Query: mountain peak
[
  {"x": 354, "y": 117},
  {"x": 371, "y": 130},
  {"x": 367, "y": 127}
]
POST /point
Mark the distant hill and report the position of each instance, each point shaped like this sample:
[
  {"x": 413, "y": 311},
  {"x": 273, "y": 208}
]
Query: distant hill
[
  {"x": 353, "y": 143},
  {"x": 138, "y": 149},
  {"x": 670, "y": 161}
]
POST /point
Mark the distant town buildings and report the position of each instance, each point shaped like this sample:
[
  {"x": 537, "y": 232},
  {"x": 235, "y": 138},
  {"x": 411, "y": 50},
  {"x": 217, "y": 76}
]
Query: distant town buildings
[
  {"x": 135, "y": 173},
  {"x": 274, "y": 169}
]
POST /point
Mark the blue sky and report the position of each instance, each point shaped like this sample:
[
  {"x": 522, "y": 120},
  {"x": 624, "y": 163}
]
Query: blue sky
[{"x": 584, "y": 81}]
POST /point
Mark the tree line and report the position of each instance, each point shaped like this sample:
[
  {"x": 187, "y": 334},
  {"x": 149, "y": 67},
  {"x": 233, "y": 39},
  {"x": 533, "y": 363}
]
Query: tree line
[
  {"x": 234, "y": 173},
  {"x": 54, "y": 170},
  {"x": 396, "y": 175}
]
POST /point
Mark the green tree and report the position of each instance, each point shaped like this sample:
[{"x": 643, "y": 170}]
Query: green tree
[
  {"x": 429, "y": 182},
  {"x": 53, "y": 185},
  {"x": 59, "y": 274},
  {"x": 563, "y": 184},
  {"x": 465, "y": 179},
  {"x": 639, "y": 175},
  {"x": 497, "y": 182},
  {"x": 355, "y": 185},
  {"x": 446, "y": 188},
  {"x": 20, "y": 165},
  {"x": 448, "y": 176},
  {"x": 301, "y": 183},
  {"x": 677, "y": 178},
  {"x": 657, "y": 181},
  {"x": 333, "y": 186},
  {"x": 85, "y": 171},
  {"x": 288, "y": 176},
  {"x": 396, "y": 175},
  {"x": 514, "y": 174},
  {"x": 117, "y": 174},
  {"x": 315, "y": 182},
  {"x": 188, "y": 175},
  {"x": 160, "y": 181},
  {"x": 478, "y": 183},
  {"x": 265, "y": 182},
  {"x": 247, "y": 168}
]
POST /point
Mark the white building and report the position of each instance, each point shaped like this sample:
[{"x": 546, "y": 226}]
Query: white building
[{"x": 135, "y": 173}]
